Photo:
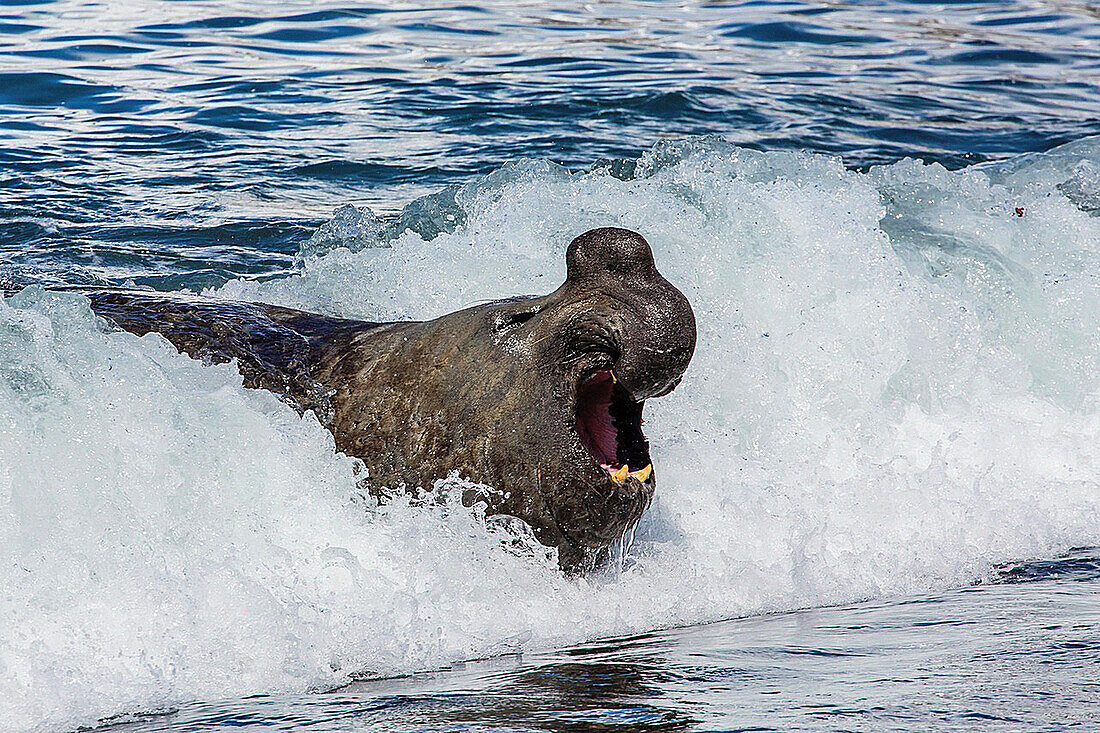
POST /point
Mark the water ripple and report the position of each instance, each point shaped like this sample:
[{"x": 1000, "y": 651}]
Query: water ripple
[{"x": 110, "y": 111}]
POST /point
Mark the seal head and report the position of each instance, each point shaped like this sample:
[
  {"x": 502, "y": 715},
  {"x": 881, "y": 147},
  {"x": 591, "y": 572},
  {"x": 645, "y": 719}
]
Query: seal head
[{"x": 622, "y": 335}]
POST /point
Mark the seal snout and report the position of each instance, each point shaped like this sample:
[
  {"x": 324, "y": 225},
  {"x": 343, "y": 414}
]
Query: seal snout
[{"x": 655, "y": 324}]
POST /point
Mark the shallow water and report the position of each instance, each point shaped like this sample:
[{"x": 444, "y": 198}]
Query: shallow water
[
  {"x": 1017, "y": 653},
  {"x": 884, "y": 214}
]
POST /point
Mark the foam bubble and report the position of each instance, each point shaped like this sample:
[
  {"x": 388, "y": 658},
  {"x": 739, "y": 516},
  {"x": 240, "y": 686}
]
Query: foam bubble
[{"x": 895, "y": 387}]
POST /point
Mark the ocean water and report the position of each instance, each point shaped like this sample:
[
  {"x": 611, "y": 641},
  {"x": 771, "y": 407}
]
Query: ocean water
[
  {"x": 997, "y": 656},
  {"x": 879, "y": 504}
]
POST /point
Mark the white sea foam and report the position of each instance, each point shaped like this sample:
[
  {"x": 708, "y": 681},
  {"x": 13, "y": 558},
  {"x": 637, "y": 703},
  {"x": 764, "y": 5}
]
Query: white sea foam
[{"x": 895, "y": 386}]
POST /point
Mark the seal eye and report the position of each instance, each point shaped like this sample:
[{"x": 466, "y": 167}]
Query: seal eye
[
  {"x": 508, "y": 321},
  {"x": 516, "y": 319}
]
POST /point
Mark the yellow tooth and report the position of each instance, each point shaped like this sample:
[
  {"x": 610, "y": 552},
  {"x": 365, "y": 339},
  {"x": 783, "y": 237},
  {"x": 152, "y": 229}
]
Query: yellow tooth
[
  {"x": 614, "y": 379},
  {"x": 643, "y": 473},
  {"x": 620, "y": 475}
]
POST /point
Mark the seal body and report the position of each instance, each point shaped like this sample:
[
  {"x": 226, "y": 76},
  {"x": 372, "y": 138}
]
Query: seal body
[{"x": 540, "y": 398}]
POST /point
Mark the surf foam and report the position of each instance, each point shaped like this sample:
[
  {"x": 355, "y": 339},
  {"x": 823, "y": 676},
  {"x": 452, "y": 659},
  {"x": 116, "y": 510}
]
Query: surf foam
[{"x": 895, "y": 387}]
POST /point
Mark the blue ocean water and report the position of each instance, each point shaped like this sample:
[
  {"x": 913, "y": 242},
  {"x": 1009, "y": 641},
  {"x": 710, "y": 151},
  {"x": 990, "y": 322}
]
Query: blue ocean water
[
  {"x": 182, "y": 144},
  {"x": 883, "y": 465}
]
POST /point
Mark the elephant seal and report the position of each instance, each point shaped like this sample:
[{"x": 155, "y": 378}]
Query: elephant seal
[{"x": 539, "y": 397}]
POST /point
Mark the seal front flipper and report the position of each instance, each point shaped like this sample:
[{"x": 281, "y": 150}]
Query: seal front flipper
[{"x": 277, "y": 349}]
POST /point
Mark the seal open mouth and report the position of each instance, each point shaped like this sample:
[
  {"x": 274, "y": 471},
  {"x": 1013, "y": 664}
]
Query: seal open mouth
[{"x": 609, "y": 423}]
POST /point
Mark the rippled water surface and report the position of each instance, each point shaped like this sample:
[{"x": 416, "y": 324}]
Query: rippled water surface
[
  {"x": 185, "y": 142},
  {"x": 885, "y": 214}
]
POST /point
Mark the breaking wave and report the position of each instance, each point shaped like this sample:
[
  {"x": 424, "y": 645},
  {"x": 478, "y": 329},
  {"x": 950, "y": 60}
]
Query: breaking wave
[{"x": 895, "y": 388}]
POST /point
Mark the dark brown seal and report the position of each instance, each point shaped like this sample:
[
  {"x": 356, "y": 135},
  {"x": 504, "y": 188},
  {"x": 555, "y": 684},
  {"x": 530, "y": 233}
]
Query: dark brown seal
[{"x": 540, "y": 398}]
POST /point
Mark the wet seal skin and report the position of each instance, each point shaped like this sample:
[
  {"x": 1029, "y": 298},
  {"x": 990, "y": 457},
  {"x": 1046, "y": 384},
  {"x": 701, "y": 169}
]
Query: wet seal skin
[{"x": 539, "y": 397}]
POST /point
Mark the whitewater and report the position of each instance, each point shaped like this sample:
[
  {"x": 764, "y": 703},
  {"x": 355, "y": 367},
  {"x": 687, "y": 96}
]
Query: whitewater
[{"x": 895, "y": 388}]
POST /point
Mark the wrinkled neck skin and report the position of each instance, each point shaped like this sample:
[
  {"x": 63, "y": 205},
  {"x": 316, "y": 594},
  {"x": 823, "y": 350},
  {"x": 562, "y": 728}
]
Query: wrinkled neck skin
[{"x": 539, "y": 398}]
